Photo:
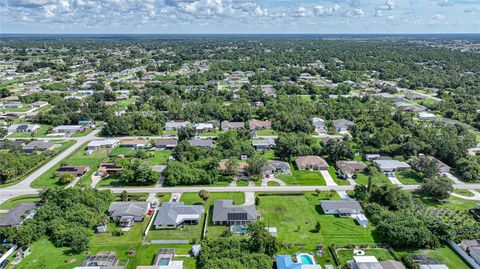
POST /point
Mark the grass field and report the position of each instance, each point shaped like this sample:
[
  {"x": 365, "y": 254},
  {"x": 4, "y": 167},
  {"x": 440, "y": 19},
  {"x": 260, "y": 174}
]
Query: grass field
[
  {"x": 296, "y": 216},
  {"x": 378, "y": 179},
  {"x": 303, "y": 178},
  {"x": 29, "y": 198},
  {"x": 159, "y": 157},
  {"x": 409, "y": 177}
]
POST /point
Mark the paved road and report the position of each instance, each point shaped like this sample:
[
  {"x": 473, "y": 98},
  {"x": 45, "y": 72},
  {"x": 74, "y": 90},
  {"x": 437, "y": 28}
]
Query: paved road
[
  {"x": 328, "y": 178},
  {"x": 24, "y": 185}
]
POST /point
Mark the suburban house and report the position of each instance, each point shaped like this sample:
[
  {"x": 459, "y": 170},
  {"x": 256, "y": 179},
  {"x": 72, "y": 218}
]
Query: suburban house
[
  {"x": 86, "y": 123},
  {"x": 263, "y": 144},
  {"x": 106, "y": 169},
  {"x": 349, "y": 168},
  {"x": 7, "y": 144},
  {"x": 319, "y": 125},
  {"x": 371, "y": 262},
  {"x": 314, "y": 163},
  {"x": 411, "y": 95},
  {"x": 68, "y": 129},
  {"x": 392, "y": 165},
  {"x": 98, "y": 144},
  {"x": 230, "y": 125},
  {"x": 38, "y": 145},
  {"x": 165, "y": 143},
  {"x": 23, "y": 128},
  {"x": 38, "y": 104},
  {"x": 347, "y": 208},
  {"x": 341, "y": 125},
  {"x": 426, "y": 116},
  {"x": 276, "y": 167},
  {"x": 203, "y": 143},
  {"x": 74, "y": 170},
  {"x": 128, "y": 212},
  {"x": 258, "y": 124},
  {"x": 286, "y": 262},
  {"x": 13, "y": 105},
  {"x": 442, "y": 167},
  {"x": 176, "y": 125},
  {"x": 268, "y": 90},
  {"x": 472, "y": 248},
  {"x": 204, "y": 127},
  {"x": 171, "y": 215},
  {"x": 16, "y": 215},
  {"x": 426, "y": 262},
  {"x": 225, "y": 213},
  {"x": 134, "y": 143}
]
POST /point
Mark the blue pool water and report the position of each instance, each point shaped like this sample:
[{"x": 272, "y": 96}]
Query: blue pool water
[
  {"x": 305, "y": 259},
  {"x": 239, "y": 229},
  {"x": 164, "y": 261}
]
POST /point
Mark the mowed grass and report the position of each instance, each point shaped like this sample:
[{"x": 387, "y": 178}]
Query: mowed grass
[
  {"x": 339, "y": 181},
  {"x": 296, "y": 216},
  {"x": 159, "y": 157},
  {"x": 443, "y": 254},
  {"x": 409, "y": 177},
  {"x": 378, "y": 179},
  {"x": 45, "y": 255},
  {"x": 11, "y": 203},
  {"x": 303, "y": 178},
  {"x": 78, "y": 158},
  {"x": 345, "y": 255}
]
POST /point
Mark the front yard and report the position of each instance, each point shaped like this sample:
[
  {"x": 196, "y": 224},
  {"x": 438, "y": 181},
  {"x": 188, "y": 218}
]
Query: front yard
[{"x": 303, "y": 178}]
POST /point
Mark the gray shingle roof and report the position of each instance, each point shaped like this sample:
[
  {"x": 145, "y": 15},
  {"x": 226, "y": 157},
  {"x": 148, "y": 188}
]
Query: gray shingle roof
[
  {"x": 135, "y": 209},
  {"x": 173, "y": 213},
  {"x": 222, "y": 209},
  {"x": 340, "y": 204},
  {"x": 16, "y": 214}
]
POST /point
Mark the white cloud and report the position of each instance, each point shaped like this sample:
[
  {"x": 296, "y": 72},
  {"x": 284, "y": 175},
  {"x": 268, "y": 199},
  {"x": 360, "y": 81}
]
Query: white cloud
[
  {"x": 325, "y": 11},
  {"x": 301, "y": 12}
]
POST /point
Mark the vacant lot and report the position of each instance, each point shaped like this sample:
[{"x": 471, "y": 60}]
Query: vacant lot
[
  {"x": 409, "y": 177},
  {"x": 296, "y": 216}
]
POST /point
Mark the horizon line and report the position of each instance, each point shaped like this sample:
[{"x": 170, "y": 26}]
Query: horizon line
[{"x": 379, "y": 33}]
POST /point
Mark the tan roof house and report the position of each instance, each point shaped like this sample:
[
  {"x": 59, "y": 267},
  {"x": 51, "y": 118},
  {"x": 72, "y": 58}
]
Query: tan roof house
[{"x": 311, "y": 163}]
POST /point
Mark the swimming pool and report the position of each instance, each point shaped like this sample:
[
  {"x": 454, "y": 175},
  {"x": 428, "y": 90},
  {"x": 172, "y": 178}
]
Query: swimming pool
[
  {"x": 305, "y": 259},
  {"x": 239, "y": 229}
]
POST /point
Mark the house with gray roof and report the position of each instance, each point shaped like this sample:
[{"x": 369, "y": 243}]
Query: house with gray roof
[
  {"x": 38, "y": 146},
  {"x": 203, "y": 143},
  {"x": 225, "y": 213},
  {"x": 16, "y": 215},
  {"x": 174, "y": 214},
  {"x": 231, "y": 125},
  {"x": 343, "y": 208},
  {"x": 319, "y": 125},
  {"x": 176, "y": 125},
  {"x": 392, "y": 165},
  {"x": 276, "y": 167},
  {"x": 342, "y": 125},
  {"x": 263, "y": 144},
  {"x": 133, "y": 209}
]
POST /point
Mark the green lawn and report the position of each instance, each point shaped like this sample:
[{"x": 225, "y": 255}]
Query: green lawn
[
  {"x": 45, "y": 255},
  {"x": 443, "y": 254},
  {"x": 377, "y": 179},
  {"x": 78, "y": 158},
  {"x": 268, "y": 154},
  {"x": 125, "y": 103},
  {"x": 409, "y": 177},
  {"x": 41, "y": 132},
  {"x": 345, "y": 255},
  {"x": 266, "y": 132},
  {"x": 273, "y": 183},
  {"x": 242, "y": 183},
  {"x": 11, "y": 203},
  {"x": 159, "y": 157},
  {"x": 464, "y": 193},
  {"x": 207, "y": 134},
  {"x": 295, "y": 218},
  {"x": 80, "y": 134},
  {"x": 303, "y": 178},
  {"x": 170, "y": 133}
]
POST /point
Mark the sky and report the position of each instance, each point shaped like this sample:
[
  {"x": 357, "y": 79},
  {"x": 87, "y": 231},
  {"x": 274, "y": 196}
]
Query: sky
[{"x": 239, "y": 16}]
